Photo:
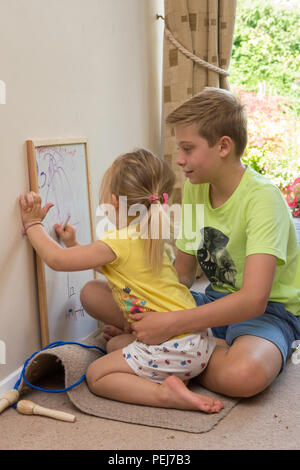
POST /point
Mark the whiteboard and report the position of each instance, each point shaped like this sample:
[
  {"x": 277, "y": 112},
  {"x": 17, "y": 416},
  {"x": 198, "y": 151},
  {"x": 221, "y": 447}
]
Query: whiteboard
[{"x": 59, "y": 173}]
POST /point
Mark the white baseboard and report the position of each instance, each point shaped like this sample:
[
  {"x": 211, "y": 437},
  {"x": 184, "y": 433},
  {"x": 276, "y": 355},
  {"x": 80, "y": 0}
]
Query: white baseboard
[{"x": 9, "y": 382}]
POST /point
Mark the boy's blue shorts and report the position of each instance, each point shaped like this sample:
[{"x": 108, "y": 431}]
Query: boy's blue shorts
[{"x": 276, "y": 324}]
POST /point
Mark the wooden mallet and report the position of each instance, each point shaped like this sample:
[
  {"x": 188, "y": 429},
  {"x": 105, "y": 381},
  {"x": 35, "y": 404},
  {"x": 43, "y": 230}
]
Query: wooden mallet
[
  {"x": 9, "y": 399},
  {"x": 27, "y": 407}
]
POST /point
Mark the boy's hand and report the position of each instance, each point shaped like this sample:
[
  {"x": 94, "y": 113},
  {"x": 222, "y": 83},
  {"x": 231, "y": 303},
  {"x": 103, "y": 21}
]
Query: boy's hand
[
  {"x": 31, "y": 208},
  {"x": 152, "y": 327},
  {"x": 67, "y": 235},
  {"x": 126, "y": 326}
]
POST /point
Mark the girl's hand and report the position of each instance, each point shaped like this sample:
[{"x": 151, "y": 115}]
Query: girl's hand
[
  {"x": 67, "y": 235},
  {"x": 152, "y": 327},
  {"x": 31, "y": 208}
]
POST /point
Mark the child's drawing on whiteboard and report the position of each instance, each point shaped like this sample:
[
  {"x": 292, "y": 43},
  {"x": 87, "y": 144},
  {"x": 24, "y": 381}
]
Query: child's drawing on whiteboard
[
  {"x": 74, "y": 290},
  {"x": 75, "y": 314},
  {"x": 71, "y": 289},
  {"x": 57, "y": 170},
  {"x": 54, "y": 169}
]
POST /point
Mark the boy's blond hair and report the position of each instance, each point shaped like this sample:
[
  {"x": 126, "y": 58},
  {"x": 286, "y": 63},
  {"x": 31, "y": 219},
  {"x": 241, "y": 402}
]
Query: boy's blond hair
[
  {"x": 138, "y": 175},
  {"x": 216, "y": 113}
]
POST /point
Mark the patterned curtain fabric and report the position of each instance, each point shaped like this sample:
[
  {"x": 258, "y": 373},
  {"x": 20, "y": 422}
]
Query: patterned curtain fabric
[{"x": 204, "y": 28}]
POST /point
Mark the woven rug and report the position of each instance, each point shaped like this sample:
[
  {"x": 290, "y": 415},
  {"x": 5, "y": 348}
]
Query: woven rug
[{"x": 75, "y": 359}]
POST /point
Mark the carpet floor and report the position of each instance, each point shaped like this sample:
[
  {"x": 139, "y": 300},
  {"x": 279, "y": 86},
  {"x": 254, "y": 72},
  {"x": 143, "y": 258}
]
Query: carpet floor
[{"x": 269, "y": 421}]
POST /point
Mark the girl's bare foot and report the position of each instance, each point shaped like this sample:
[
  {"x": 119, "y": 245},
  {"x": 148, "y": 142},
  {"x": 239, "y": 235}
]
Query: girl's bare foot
[
  {"x": 109, "y": 331},
  {"x": 175, "y": 393}
]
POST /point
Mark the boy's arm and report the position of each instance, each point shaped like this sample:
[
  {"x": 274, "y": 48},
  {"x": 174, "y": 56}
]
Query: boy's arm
[
  {"x": 249, "y": 302},
  {"x": 186, "y": 267}
]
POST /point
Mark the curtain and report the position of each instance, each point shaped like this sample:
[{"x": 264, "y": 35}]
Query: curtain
[{"x": 203, "y": 29}]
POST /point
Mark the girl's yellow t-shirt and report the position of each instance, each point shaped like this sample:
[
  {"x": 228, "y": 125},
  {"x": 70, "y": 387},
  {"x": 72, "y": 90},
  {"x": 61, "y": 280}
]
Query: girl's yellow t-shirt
[{"x": 134, "y": 285}]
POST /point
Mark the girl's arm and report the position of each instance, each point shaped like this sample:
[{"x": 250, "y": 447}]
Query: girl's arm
[
  {"x": 67, "y": 235},
  {"x": 249, "y": 302},
  {"x": 76, "y": 258}
]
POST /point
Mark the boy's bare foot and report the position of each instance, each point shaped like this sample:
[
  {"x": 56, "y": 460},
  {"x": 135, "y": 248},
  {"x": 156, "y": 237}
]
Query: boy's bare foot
[
  {"x": 109, "y": 331},
  {"x": 180, "y": 397}
]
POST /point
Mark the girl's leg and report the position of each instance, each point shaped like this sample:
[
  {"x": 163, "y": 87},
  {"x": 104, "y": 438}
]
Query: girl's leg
[
  {"x": 97, "y": 299},
  {"x": 111, "y": 377},
  {"x": 119, "y": 341}
]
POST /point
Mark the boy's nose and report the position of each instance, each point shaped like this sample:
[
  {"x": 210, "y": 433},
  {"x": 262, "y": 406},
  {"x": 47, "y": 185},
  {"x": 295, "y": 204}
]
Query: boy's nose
[{"x": 180, "y": 159}]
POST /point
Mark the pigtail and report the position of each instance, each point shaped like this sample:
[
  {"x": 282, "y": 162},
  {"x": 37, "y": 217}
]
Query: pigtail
[
  {"x": 160, "y": 230},
  {"x": 154, "y": 243}
]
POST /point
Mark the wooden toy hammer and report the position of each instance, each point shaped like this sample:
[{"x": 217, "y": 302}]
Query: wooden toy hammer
[
  {"x": 27, "y": 407},
  {"x": 9, "y": 399}
]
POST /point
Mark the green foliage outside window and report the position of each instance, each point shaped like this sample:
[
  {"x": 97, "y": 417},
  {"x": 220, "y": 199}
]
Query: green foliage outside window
[{"x": 265, "y": 73}]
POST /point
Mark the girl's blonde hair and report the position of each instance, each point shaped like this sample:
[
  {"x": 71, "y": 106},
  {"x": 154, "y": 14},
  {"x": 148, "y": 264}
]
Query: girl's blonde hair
[{"x": 138, "y": 175}]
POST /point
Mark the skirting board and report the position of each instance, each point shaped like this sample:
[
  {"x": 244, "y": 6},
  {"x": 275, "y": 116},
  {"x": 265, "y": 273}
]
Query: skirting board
[{"x": 9, "y": 382}]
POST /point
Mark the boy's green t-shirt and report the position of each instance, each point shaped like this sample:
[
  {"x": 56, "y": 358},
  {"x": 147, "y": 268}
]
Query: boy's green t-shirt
[{"x": 255, "y": 219}]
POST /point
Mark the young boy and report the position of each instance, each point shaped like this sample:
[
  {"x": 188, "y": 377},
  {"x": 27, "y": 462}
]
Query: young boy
[{"x": 248, "y": 251}]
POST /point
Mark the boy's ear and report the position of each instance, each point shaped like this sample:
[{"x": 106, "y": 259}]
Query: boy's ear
[
  {"x": 225, "y": 144},
  {"x": 115, "y": 201}
]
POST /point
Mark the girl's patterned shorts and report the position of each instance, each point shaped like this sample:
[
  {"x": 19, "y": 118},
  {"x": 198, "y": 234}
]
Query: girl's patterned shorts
[{"x": 185, "y": 357}]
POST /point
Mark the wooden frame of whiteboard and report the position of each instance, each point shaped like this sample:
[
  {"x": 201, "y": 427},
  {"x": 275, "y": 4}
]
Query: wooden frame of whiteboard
[{"x": 33, "y": 179}]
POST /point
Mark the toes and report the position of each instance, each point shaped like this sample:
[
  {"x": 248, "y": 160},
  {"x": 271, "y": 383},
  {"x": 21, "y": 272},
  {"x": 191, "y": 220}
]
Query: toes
[
  {"x": 217, "y": 406},
  {"x": 111, "y": 330},
  {"x": 214, "y": 406},
  {"x": 107, "y": 337},
  {"x": 107, "y": 332},
  {"x": 206, "y": 407},
  {"x": 106, "y": 329}
]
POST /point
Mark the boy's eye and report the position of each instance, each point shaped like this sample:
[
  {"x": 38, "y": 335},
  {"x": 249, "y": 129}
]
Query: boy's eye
[{"x": 185, "y": 149}]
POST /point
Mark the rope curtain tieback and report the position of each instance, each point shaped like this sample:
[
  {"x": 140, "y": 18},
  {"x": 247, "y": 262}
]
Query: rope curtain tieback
[{"x": 190, "y": 55}]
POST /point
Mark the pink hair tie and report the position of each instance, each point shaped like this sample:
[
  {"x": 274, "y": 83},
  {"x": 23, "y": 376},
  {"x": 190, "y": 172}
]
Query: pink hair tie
[
  {"x": 155, "y": 197},
  {"x": 166, "y": 199}
]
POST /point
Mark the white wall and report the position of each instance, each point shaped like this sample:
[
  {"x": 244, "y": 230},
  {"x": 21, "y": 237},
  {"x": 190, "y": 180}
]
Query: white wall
[{"x": 71, "y": 68}]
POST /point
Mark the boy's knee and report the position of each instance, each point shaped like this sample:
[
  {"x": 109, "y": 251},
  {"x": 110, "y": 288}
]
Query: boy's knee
[{"x": 250, "y": 377}]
